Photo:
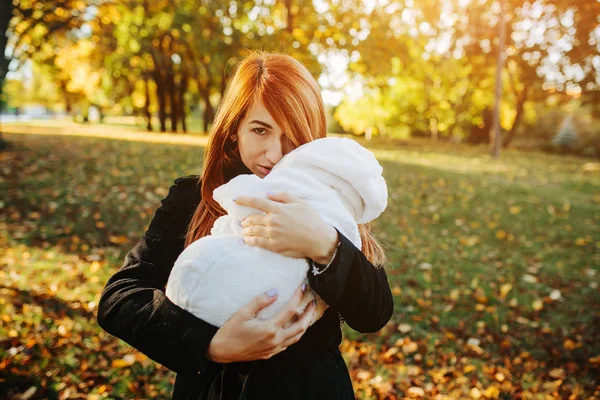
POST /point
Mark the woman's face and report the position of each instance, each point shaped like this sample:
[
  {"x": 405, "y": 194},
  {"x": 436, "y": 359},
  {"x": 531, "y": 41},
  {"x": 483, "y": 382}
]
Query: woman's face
[{"x": 261, "y": 141}]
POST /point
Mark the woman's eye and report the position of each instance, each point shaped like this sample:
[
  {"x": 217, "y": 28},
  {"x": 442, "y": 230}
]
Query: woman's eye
[{"x": 260, "y": 131}]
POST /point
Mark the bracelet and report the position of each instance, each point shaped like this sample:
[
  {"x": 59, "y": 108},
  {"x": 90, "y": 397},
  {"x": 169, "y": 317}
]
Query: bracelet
[{"x": 318, "y": 271}]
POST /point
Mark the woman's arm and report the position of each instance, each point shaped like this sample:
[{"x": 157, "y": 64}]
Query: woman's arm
[
  {"x": 355, "y": 288},
  {"x": 133, "y": 305}
]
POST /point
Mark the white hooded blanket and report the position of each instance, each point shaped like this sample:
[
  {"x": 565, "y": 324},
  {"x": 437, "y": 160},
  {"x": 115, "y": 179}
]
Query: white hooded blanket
[{"x": 218, "y": 274}]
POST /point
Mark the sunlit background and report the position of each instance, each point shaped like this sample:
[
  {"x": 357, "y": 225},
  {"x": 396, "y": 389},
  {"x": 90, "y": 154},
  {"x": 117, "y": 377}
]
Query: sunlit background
[
  {"x": 390, "y": 68},
  {"x": 493, "y": 260}
]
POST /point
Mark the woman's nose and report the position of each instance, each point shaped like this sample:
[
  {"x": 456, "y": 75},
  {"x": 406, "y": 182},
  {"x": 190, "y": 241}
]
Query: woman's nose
[{"x": 274, "y": 151}]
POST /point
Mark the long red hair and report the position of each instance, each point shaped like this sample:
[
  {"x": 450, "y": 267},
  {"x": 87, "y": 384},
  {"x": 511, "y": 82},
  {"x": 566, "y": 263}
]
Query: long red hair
[{"x": 293, "y": 98}]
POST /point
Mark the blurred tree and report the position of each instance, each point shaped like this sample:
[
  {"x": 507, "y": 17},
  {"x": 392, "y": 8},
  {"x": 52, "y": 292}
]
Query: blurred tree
[
  {"x": 27, "y": 24},
  {"x": 450, "y": 50}
]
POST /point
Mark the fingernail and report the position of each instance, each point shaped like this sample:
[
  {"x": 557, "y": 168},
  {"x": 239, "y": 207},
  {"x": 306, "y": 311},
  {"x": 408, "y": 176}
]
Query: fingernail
[
  {"x": 314, "y": 302},
  {"x": 235, "y": 199},
  {"x": 273, "y": 292},
  {"x": 304, "y": 287},
  {"x": 270, "y": 193}
]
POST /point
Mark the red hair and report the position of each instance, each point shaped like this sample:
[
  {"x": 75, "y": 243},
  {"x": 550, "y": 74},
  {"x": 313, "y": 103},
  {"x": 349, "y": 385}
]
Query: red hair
[{"x": 293, "y": 98}]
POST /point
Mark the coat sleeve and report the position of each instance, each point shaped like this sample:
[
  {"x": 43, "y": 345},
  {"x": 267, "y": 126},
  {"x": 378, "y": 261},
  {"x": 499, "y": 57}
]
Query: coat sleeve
[
  {"x": 133, "y": 305},
  {"x": 359, "y": 291}
]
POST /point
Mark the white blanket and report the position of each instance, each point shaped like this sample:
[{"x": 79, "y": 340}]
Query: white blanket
[{"x": 217, "y": 274}]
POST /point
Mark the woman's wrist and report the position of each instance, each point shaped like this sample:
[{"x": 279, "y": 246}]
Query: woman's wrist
[
  {"x": 327, "y": 246},
  {"x": 212, "y": 353}
]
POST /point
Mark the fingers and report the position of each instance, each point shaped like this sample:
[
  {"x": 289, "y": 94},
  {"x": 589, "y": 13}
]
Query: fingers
[
  {"x": 294, "y": 332},
  {"x": 289, "y": 310},
  {"x": 256, "y": 230},
  {"x": 284, "y": 197},
  {"x": 259, "y": 302},
  {"x": 257, "y": 241},
  {"x": 255, "y": 219},
  {"x": 265, "y": 205}
]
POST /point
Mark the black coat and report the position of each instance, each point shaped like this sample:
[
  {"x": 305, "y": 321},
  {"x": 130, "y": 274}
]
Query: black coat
[{"x": 134, "y": 308}]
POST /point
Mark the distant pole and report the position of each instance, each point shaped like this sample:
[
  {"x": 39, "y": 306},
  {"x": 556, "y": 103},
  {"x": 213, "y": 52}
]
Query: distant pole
[{"x": 496, "y": 134}]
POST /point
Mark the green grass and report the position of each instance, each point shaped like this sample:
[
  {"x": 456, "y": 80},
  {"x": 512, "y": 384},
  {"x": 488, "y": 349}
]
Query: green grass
[{"x": 493, "y": 263}]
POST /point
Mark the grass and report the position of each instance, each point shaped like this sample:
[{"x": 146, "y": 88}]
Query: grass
[{"x": 493, "y": 265}]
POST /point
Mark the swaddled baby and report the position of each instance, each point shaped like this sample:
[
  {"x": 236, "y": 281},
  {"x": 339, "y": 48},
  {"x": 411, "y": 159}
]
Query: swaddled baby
[{"x": 218, "y": 274}]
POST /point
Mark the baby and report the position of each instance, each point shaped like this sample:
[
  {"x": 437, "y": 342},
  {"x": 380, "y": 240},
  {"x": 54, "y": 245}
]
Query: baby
[{"x": 218, "y": 274}]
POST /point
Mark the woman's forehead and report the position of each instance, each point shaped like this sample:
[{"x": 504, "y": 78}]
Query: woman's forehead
[{"x": 259, "y": 115}]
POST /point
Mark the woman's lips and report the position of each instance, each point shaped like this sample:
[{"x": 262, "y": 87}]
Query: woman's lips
[{"x": 264, "y": 170}]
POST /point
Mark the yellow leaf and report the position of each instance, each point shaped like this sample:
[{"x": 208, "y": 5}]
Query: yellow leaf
[
  {"x": 580, "y": 241},
  {"x": 557, "y": 373},
  {"x": 118, "y": 239},
  {"x": 388, "y": 354},
  {"x": 501, "y": 234},
  {"x": 537, "y": 305},
  {"x": 454, "y": 293},
  {"x": 469, "y": 368},
  {"x": 475, "y": 393},
  {"x": 515, "y": 210},
  {"x": 504, "y": 289},
  {"x": 126, "y": 361},
  {"x": 492, "y": 392},
  {"x": 470, "y": 241},
  {"x": 95, "y": 266},
  {"x": 415, "y": 391},
  {"x": 570, "y": 345},
  {"x": 410, "y": 347}
]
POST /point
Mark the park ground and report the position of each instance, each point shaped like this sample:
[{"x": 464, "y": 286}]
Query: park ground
[{"x": 494, "y": 266}]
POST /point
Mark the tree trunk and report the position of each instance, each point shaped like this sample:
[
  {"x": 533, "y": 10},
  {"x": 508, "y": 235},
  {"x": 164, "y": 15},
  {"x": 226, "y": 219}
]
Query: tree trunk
[
  {"x": 482, "y": 134},
  {"x": 290, "y": 16},
  {"x": 208, "y": 110},
  {"x": 433, "y": 128},
  {"x": 160, "y": 92},
  {"x": 147, "y": 103},
  {"x": 513, "y": 129},
  {"x": 208, "y": 114},
  {"x": 182, "y": 90},
  {"x": 6, "y": 11},
  {"x": 172, "y": 97}
]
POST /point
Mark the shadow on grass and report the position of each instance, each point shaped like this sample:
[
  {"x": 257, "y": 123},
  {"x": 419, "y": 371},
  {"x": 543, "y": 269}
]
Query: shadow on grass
[{"x": 53, "y": 307}]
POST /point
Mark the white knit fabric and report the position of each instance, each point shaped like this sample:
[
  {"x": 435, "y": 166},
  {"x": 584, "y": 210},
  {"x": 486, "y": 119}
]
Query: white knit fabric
[{"x": 217, "y": 274}]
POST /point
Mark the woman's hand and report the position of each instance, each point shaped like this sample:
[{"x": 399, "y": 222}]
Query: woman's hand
[
  {"x": 290, "y": 227},
  {"x": 243, "y": 337}
]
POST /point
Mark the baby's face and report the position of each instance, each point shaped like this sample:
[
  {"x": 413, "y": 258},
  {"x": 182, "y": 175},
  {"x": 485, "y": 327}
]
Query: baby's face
[{"x": 261, "y": 141}]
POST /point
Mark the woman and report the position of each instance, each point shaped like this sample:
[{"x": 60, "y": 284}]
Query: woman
[{"x": 271, "y": 106}]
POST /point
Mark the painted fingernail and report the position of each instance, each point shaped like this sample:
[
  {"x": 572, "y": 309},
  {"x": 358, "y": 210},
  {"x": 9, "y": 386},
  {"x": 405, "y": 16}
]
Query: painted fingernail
[
  {"x": 304, "y": 287},
  {"x": 273, "y": 292}
]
